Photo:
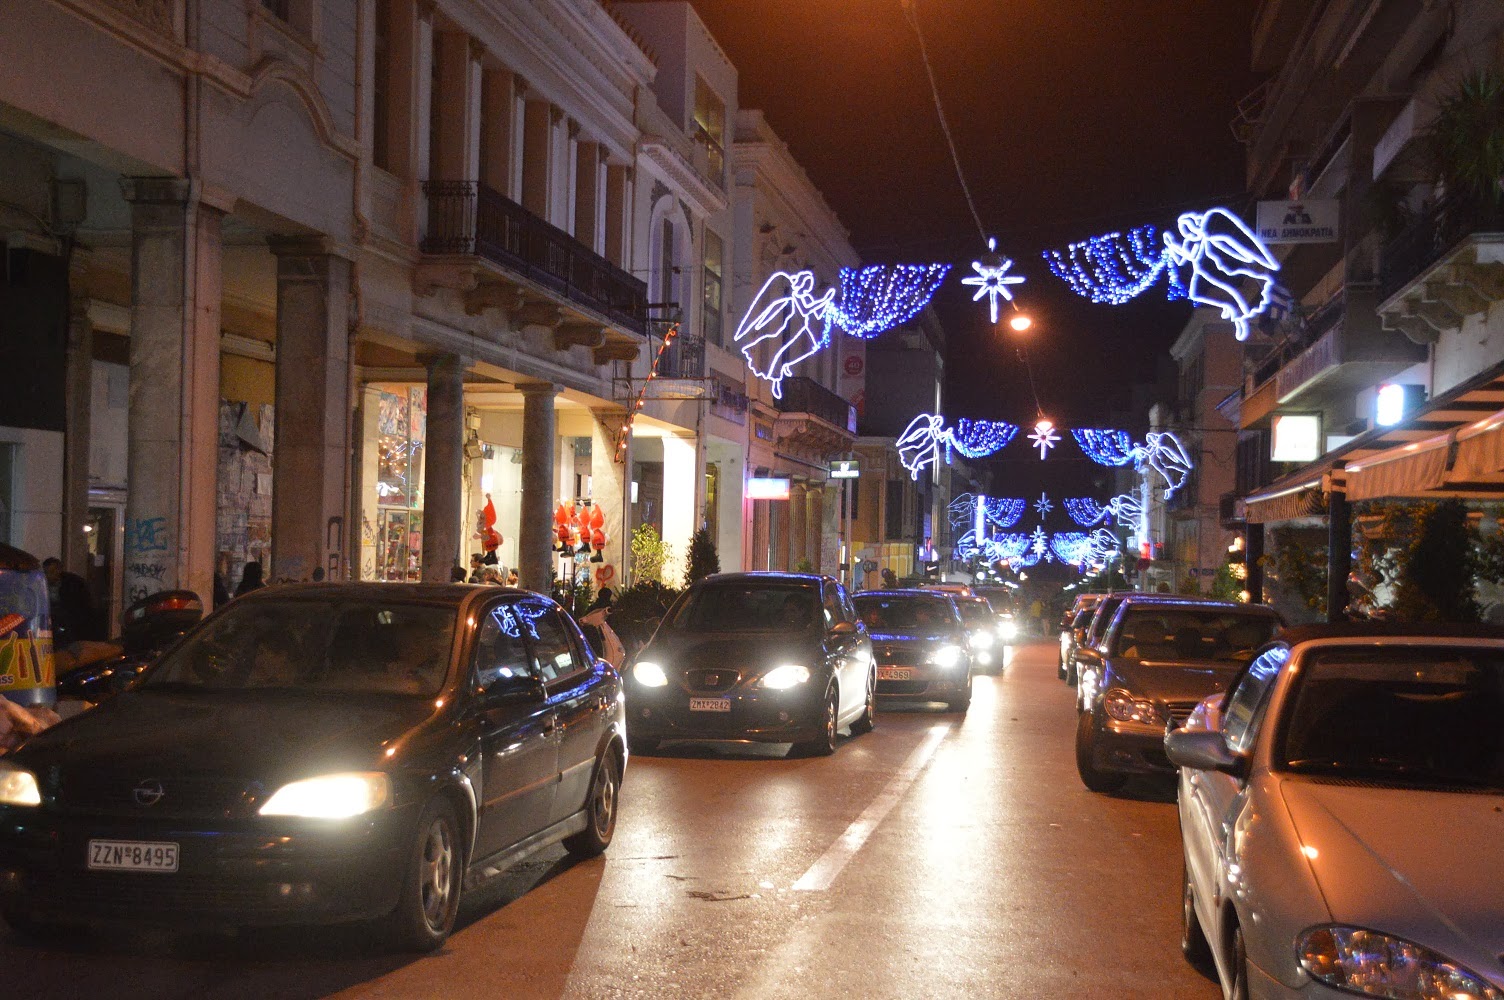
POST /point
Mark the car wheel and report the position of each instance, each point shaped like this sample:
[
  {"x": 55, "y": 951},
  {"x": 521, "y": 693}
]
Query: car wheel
[
  {"x": 430, "y": 896},
  {"x": 1086, "y": 743},
  {"x": 642, "y": 744},
  {"x": 868, "y": 720},
  {"x": 1060, "y": 668},
  {"x": 1193, "y": 941},
  {"x": 826, "y": 744},
  {"x": 600, "y": 810},
  {"x": 1238, "y": 967}
]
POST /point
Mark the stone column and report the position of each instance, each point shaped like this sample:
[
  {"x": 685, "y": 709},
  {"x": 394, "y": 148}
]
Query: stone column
[
  {"x": 173, "y": 447},
  {"x": 798, "y": 524},
  {"x": 78, "y": 389},
  {"x": 814, "y": 520},
  {"x": 535, "y": 534},
  {"x": 1339, "y": 562},
  {"x": 608, "y": 491},
  {"x": 1253, "y": 554},
  {"x": 444, "y": 467},
  {"x": 311, "y": 454},
  {"x": 680, "y": 517}
]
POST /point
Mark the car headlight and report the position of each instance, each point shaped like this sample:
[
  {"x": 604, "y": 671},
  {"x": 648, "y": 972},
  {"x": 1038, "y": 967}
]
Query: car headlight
[
  {"x": 649, "y": 674},
  {"x": 1376, "y": 965},
  {"x": 784, "y": 677},
  {"x": 330, "y": 796},
  {"x": 981, "y": 640},
  {"x": 1007, "y": 631},
  {"x": 18, "y": 787},
  {"x": 946, "y": 656},
  {"x": 1123, "y": 707}
]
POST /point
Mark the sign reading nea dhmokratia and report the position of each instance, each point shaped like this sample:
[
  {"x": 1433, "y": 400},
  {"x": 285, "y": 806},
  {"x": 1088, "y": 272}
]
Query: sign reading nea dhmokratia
[{"x": 1298, "y": 221}]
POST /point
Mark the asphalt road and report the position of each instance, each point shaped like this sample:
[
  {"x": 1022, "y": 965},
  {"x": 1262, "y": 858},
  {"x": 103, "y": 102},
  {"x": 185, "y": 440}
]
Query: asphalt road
[{"x": 939, "y": 856}]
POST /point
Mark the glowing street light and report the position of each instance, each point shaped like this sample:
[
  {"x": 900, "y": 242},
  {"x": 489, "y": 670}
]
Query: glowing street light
[{"x": 1020, "y": 322}]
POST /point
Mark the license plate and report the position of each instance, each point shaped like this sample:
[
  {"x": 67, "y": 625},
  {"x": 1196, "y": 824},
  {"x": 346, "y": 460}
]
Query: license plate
[
  {"x": 132, "y": 856},
  {"x": 895, "y": 673},
  {"x": 710, "y": 704}
]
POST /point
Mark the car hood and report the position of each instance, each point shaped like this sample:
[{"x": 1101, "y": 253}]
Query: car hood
[
  {"x": 1179, "y": 682},
  {"x": 1421, "y": 865},
  {"x": 253, "y": 733},
  {"x": 680, "y": 651}
]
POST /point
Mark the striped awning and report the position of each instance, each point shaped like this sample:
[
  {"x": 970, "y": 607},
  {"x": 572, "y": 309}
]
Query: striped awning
[
  {"x": 1304, "y": 499},
  {"x": 1468, "y": 463}
]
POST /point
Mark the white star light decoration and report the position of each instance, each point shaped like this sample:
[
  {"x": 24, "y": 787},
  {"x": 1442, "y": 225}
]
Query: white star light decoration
[
  {"x": 992, "y": 278},
  {"x": 1044, "y": 437},
  {"x": 1043, "y": 505},
  {"x": 1040, "y": 544}
]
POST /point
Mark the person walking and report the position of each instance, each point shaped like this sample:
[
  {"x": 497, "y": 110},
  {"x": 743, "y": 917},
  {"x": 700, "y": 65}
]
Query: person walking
[
  {"x": 250, "y": 579},
  {"x": 597, "y": 619}
]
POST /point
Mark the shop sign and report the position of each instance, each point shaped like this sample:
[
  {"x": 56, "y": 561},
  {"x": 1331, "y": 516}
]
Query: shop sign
[
  {"x": 1296, "y": 437},
  {"x": 854, "y": 364},
  {"x": 767, "y": 488},
  {"x": 845, "y": 468},
  {"x": 1298, "y": 221}
]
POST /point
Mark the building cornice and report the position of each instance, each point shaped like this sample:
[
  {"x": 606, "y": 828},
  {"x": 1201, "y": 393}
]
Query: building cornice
[{"x": 702, "y": 198}]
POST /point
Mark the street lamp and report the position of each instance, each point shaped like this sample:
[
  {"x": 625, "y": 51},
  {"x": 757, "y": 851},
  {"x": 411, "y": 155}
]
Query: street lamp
[{"x": 1020, "y": 322}]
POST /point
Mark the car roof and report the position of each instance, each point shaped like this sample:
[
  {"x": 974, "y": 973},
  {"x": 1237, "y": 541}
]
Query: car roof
[
  {"x": 764, "y": 576},
  {"x": 429, "y": 593},
  {"x": 941, "y": 595},
  {"x": 1387, "y": 630},
  {"x": 1197, "y": 602}
]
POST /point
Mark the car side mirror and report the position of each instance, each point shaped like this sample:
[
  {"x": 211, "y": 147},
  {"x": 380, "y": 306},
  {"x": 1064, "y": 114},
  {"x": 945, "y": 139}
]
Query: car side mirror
[
  {"x": 843, "y": 629},
  {"x": 1088, "y": 654},
  {"x": 1201, "y": 750}
]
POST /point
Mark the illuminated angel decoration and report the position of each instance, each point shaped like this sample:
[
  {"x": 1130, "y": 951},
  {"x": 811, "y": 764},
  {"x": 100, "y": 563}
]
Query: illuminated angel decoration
[
  {"x": 797, "y": 319},
  {"x": 1163, "y": 452},
  {"x": 919, "y": 445},
  {"x": 1221, "y": 252}
]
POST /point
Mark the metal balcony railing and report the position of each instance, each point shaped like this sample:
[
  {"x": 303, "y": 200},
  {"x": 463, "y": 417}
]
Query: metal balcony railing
[
  {"x": 1431, "y": 236},
  {"x": 805, "y": 395},
  {"x": 684, "y": 358},
  {"x": 469, "y": 218}
]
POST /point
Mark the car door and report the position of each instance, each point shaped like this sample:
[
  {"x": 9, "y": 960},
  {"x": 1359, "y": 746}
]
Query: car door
[
  {"x": 1216, "y": 799},
  {"x": 844, "y": 646},
  {"x": 575, "y": 693},
  {"x": 519, "y": 743}
]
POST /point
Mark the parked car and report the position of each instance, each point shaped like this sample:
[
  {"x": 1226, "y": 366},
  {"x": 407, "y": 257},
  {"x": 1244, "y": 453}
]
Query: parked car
[
  {"x": 921, "y": 644},
  {"x": 755, "y": 657},
  {"x": 1158, "y": 659},
  {"x": 1072, "y": 634},
  {"x": 151, "y": 625},
  {"x": 1003, "y": 600},
  {"x": 1340, "y": 815},
  {"x": 320, "y": 753},
  {"x": 1101, "y": 614},
  {"x": 983, "y": 632}
]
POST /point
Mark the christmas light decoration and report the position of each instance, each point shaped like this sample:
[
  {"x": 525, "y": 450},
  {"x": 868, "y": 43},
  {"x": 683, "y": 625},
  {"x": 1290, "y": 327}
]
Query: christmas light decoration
[
  {"x": 1042, "y": 506},
  {"x": 515, "y": 619},
  {"x": 1164, "y": 453},
  {"x": 625, "y": 434},
  {"x": 785, "y": 304},
  {"x": 1086, "y": 511},
  {"x": 1106, "y": 447},
  {"x": 1220, "y": 252},
  {"x": 1038, "y": 543},
  {"x": 1115, "y": 268},
  {"x": 880, "y": 297},
  {"x": 1001, "y": 512},
  {"x": 1044, "y": 437},
  {"x": 919, "y": 445},
  {"x": 1071, "y": 547},
  {"x": 992, "y": 278},
  {"x": 1005, "y": 513}
]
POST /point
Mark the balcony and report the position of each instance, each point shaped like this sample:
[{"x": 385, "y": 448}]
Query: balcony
[
  {"x": 684, "y": 359},
  {"x": 814, "y": 420},
  {"x": 469, "y": 219},
  {"x": 1445, "y": 266}
]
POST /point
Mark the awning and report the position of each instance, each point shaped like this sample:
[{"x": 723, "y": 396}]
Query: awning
[
  {"x": 1409, "y": 470},
  {"x": 1301, "y": 500},
  {"x": 1480, "y": 449}
]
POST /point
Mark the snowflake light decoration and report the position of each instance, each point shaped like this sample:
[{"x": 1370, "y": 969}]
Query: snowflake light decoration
[
  {"x": 1043, "y": 505},
  {"x": 1044, "y": 437},
  {"x": 992, "y": 278},
  {"x": 1038, "y": 543}
]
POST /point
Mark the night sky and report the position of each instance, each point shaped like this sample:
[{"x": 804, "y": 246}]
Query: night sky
[{"x": 1072, "y": 118}]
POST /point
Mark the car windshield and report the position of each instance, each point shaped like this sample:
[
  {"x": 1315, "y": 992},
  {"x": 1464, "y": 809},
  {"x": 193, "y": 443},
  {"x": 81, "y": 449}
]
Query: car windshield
[
  {"x": 1405, "y": 716},
  {"x": 1083, "y": 618},
  {"x": 355, "y": 646},
  {"x": 976, "y": 614},
  {"x": 902, "y": 614},
  {"x": 1100, "y": 616},
  {"x": 749, "y": 607},
  {"x": 1160, "y": 633}
]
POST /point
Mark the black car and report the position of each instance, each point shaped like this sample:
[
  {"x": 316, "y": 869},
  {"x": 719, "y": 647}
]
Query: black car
[
  {"x": 755, "y": 657},
  {"x": 922, "y": 646},
  {"x": 1159, "y": 658},
  {"x": 318, "y": 754}
]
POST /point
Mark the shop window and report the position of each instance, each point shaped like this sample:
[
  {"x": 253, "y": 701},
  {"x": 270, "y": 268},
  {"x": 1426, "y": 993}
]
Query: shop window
[
  {"x": 893, "y": 520},
  {"x": 381, "y": 90},
  {"x": 666, "y": 268},
  {"x": 714, "y": 252},
  {"x": 401, "y": 430}
]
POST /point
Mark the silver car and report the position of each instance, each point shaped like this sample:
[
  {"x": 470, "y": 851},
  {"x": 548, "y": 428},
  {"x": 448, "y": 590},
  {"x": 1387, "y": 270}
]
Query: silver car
[{"x": 1342, "y": 814}]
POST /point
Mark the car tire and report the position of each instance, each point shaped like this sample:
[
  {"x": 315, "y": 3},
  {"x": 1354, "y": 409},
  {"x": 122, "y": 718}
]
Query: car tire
[
  {"x": 1193, "y": 943},
  {"x": 643, "y": 744},
  {"x": 1086, "y": 741},
  {"x": 868, "y": 720},
  {"x": 825, "y": 745},
  {"x": 1060, "y": 668},
  {"x": 600, "y": 809},
  {"x": 431, "y": 884},
  {"x": 1238, "y": 966}
]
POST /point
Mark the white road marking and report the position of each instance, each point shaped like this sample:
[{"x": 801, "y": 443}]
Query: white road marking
[{"x": 824, "y": 871}]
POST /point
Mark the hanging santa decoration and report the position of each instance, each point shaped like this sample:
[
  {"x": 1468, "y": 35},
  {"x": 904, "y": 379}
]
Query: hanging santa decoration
[{"x": 485, "y": 530}]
